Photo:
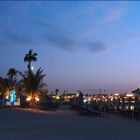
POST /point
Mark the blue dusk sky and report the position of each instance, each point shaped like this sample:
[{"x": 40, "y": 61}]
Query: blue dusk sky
[{"x": 80, "y": 45}]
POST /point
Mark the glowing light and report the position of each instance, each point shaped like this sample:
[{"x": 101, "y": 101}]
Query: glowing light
[
  {"x": 132, "y": 107},
  {"x": 28, "y": 98},
  {"x": 37, "y": 99},
  {"x": 116, "y": 94},
  {"x": 89, "y": 99},
  {"x": 7, "y": 97},
  {"x": 32, "y": 68},
  {"x": 129, "y": 95},
  {"x": 85, "y": 100},
  {"x": 77, "y": 94},
  {"x": 57, "y": 97},
  {"x": 12, "y": 96},
  {"x": 53, "y": 96}
]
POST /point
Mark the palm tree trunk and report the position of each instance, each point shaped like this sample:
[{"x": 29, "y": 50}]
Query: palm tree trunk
[
  {"x": 32, "y": 102},
  {"x": 29, "y": 66}
]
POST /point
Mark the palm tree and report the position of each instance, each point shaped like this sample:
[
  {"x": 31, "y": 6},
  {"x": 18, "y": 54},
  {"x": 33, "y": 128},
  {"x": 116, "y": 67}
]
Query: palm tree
[
  {"x": 29, "y": 57},
  {"x": 12, "y": 80},
  {"x": 32, "y": 82}
]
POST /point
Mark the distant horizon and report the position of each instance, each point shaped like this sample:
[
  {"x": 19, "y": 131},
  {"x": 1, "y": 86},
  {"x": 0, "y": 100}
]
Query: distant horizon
[
  {"x": 93, "y": 91},
  {"x": 84, "y": 90}
]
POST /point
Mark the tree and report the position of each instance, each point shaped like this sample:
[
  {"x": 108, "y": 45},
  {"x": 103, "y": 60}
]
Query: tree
[
  {"x": 4, "y": 86},
  {"x": 56, "y": 91},
  {"x": 12, "y": 80},
  {"x": 32, "y": 82},
  {"x": 29, "y": 57}
]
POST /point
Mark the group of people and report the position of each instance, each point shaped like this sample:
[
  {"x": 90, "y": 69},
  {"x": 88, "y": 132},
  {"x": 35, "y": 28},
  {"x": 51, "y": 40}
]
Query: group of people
[
  {"x": 100, "y": 108},
  {"x": 104, "y": 110},
  {"x": 48, "y": 103}
]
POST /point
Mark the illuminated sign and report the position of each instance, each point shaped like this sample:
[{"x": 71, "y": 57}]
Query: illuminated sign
[{"x": 12, "y": 96}]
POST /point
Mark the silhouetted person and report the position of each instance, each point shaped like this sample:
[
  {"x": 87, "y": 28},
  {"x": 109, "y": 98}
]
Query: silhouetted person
[{"x": 80, "y": 101}]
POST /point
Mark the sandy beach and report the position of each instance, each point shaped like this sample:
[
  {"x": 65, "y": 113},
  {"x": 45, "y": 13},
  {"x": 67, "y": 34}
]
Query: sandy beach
[{"x": 64, "y": 124}]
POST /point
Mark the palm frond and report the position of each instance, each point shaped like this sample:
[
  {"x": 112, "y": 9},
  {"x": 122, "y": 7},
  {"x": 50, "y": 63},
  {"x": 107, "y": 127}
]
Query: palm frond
[{"x": 32, "y": 81}]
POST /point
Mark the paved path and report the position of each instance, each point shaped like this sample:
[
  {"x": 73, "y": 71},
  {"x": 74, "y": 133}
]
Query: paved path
[{"x": 17, "y": 124}]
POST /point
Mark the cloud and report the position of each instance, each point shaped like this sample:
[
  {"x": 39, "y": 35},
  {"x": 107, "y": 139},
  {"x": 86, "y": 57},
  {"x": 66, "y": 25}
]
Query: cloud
[
  {"x": 56, "y": 36},
  {"x": 3, "y": 43},
  {"x": 41, "y": 23},
  {"x": 70, "y": 45},
  {"x": 59, "y": 38},
  {"x": 63, "y": 42},
  {"x": 43, "y": 32},
  {"x": 53, "y": 35},
  {"x": 21, "y": 39},
  {"x": 97, "y": 47},
  {"x": 11, "y": 36},
  {"x": 115, "y": 15}
]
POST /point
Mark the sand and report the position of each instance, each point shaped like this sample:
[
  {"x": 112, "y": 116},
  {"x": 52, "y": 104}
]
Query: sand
[{"x": 64, "y": 124}]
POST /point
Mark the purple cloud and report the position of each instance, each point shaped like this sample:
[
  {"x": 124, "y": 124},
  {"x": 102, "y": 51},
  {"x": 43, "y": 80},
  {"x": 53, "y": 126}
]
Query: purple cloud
[{"x": 97, "y": 47}]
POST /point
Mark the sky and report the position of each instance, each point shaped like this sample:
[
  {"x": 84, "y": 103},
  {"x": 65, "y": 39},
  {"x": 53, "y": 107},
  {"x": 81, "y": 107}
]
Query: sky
[{"x": 87, "y": 45}]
